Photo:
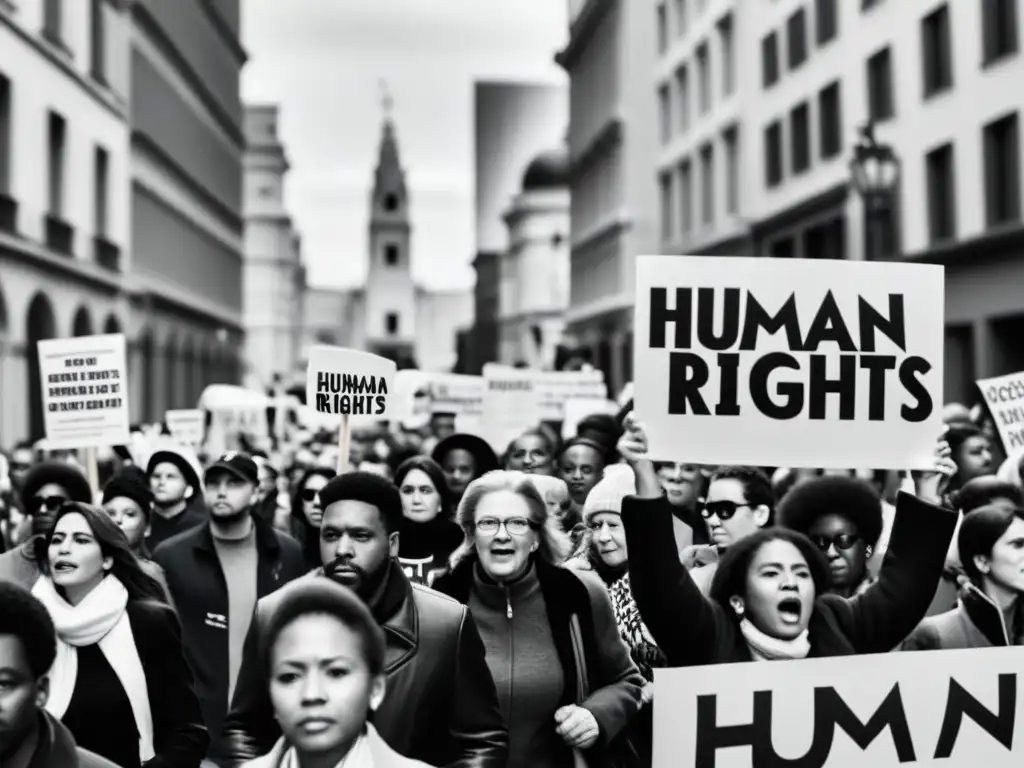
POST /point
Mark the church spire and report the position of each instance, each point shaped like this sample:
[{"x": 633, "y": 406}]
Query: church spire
[{"x": 390, "y": 178}]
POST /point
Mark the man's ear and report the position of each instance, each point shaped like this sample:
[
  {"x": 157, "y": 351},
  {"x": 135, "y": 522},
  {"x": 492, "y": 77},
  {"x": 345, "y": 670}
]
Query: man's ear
[
  {"x": 189, "y": 492},
  {"x": 42, "y": 691}
]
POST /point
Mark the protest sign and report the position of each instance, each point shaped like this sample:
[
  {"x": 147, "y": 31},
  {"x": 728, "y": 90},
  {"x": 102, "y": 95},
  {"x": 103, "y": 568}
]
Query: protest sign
[
  {"x": 85, "y": 392},
  {"x": 510, "y": 403},
  {"x": 789, "y": 362},
  {"x": 187, "y": 426},
  {"x": 932, "y": 708},
  {"x": 555, "y": 388},
  {"x": 1004, "y": 396}
]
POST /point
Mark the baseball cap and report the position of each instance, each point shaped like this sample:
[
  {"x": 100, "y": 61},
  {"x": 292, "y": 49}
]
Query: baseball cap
[{"x": 238, "y": 464}]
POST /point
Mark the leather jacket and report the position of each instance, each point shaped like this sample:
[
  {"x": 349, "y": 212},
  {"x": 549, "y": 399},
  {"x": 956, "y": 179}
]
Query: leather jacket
[{"x": 441, "y": 705}]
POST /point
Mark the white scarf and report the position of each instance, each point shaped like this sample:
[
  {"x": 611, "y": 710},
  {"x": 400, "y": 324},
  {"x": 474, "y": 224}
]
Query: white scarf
[
  {"x": 766, "y": 648},
  {"x": 359, "y": 756},
  {"x": 101, "y": 618}
]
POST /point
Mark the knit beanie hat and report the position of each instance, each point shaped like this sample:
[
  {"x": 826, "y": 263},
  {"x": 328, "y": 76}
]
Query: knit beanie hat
[
  {"x": 130, "y": 483},
  {"x": 617, "y": 483},
  {"x": 368, "y": 488}
]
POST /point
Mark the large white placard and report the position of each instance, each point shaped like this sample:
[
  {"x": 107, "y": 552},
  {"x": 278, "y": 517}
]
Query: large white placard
[
  {"x": 798, "y": 363},
  {"x": 347, "y": 382},
  {"x": 1004, "y": 396},
  {"x": 85, "y": 391},
  {"x": 187, "y": 426},
  {"x": 954, "y": 709}
]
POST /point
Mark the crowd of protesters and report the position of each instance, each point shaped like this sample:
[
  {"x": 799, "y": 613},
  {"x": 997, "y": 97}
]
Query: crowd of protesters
[{"x": 439, "y": 603}]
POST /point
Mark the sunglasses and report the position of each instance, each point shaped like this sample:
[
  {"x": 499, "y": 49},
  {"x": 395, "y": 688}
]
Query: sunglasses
[
  {"x": 723, "y": 510},
  {"x": 308, "y": 494},
  {"x": 50, "y": 503},
  {"x": 842, "y": 541}
]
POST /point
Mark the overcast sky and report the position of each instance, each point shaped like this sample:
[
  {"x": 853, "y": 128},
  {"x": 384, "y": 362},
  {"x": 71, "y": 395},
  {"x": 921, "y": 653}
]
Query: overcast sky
[{"x": 322, "y": 61}]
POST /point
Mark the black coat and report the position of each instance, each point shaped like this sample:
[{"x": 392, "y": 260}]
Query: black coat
[
  {"x": 440, "y": 705},
  {"x": 694, "y": 630},
  {"x": 200, "y": 593}
]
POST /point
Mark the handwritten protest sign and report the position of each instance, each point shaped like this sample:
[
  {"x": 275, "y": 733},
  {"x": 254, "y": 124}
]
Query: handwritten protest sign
[
  {"x": 933, "y": 708},
  {"x": 791, "y": 362},
  {"x": 187, "y": 426},
  {"x": 85, "y": 392},
  {"x": 1004, "y": 396},
  {"x": 346, "y": 382}
]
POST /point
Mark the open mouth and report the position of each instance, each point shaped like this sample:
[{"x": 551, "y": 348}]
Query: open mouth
[
  {"x": 502, "y": 554},
  {"x": 62, "y": 566},
  {"x": 790, "y": 609}
]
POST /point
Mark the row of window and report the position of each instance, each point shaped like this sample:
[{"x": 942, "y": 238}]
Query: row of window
[
  {"x": 676, "y": 102},
  {"x": 679, "y": 190},
  {"x": 678, "y": 21},
  {"x": 1001, "y": 173},
  {"x": 802, "y": 140},
  {"x": 54, "y": 31},
  {"x": 58, "y": 232},
  {"x": 826, "y": 15}
]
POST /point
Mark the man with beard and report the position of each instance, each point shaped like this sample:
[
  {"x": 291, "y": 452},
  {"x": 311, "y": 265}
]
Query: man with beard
[
  {"x": 217, "y": 572},
  {"x": 174, "y": 479},
  {"x": 441, "y": 705},
  {"x": 44, "y": 489}
]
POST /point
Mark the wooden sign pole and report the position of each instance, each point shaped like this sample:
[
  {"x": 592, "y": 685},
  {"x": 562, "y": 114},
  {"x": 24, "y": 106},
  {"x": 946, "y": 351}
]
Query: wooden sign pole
[{"x": 343, "y": 446}]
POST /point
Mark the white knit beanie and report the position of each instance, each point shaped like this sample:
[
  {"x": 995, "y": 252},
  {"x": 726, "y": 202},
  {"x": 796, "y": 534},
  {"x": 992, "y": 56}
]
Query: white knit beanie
[{"x": 617, "y": 483}]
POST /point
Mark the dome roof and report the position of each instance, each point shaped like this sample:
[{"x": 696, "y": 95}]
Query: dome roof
[{"x": 548, "y": 170}]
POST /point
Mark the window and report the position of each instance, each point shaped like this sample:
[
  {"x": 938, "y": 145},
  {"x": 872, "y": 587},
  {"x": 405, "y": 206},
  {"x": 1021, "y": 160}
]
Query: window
[
  {"x": 830, "y": 118},
  {"x": 703, "y": 79},
  {"x": 1002, "y": 171},
  {"x": 391, "y": 323},
  {"x": 101, "y": 193},
  {"x": 773, "y": 154},
  {"x": 685, "y": 196},
  {"x": 941, "y": 193},
  {"x": 391, "y": 255},
  {"x": 728, "y": 68},
  {"x": 783, "y": 249},
  {"x": 800, "y": 137},
  {"x": 881, "y": 104},
  {"x": 98, "y": 47},
  {"x": 770, "y": 60},
  {"x": 998, "y": 29},
  {"x": 826, "y": 21},
  {"x": 390, "y": 202},
  {"x": 796, "y": 38},
  {"x": 936, "y": 51},
  {"x": 683, "y": 97},
  {"x": 681, "y": 17},
  {"x": 869, "y": 4},
  {"x": 707, "y": 184},
  {"x": 53, "y": 20},
  {"x": 665, "y": 185},
  {"x": 665, "y": 113},
  {"x": 662, "y": 28},
  {"x": 730, "y": 139},
  {"x": 56, "y": 143},
  {"x": 5, "y": 135}
]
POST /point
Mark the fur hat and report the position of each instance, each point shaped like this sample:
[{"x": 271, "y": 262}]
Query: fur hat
[
  {"x": 617, "y": 483},
  {"x": 57, "y": 472}
]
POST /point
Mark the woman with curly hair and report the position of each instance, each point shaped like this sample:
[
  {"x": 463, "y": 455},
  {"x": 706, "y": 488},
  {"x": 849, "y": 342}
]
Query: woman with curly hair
[{"x": 842, "y": 516}]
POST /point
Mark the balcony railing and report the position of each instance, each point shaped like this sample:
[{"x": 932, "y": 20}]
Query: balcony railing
[
  {"x": 59, "y": 235},
  {"x": 8, "y": 214},
  {"x": 107, "y": 254}
]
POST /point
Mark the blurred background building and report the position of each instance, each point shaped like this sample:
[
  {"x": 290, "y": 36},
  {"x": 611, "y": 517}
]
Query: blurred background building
[
  {"x": 391, "y": 315},
  {"x": 513, "y": 123},
  {"x": 275, "y": 279}
]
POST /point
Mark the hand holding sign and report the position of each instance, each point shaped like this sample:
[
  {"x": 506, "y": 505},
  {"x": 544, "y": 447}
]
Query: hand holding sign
[{"x": 346, "y": 382}]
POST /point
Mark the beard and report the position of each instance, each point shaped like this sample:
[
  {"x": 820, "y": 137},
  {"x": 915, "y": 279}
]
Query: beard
[
  {"x": 364, "y": 583},
  {"x": 229, "y": 518}
]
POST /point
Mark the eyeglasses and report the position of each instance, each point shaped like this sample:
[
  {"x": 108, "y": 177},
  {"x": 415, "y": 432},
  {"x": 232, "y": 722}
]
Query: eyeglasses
[
  {"x": 515, "y": 526},
  {"x": 723, "y": 510},
  {"x": 309, "y": 494},
  {"x": 842, "y": 541},
  {"x": 50, "y": 503}
]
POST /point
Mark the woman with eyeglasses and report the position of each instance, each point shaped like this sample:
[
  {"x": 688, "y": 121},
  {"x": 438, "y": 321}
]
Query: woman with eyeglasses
[
  {"x": 120, "y": 682},
  {"x": 307, "y": 513},
  {"x": 428, "y": 535},
  {"x": 770, "y": 598},
  {"x": 739, "y": 503},
  {"x": 842, "y": 516},
  {"x": 565, "y": 680},
  {"x": 990, "y": 612}
]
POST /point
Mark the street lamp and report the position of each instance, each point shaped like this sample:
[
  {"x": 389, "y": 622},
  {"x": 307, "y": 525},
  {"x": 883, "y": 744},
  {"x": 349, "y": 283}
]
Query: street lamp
[{"x": 875, "y": 170}]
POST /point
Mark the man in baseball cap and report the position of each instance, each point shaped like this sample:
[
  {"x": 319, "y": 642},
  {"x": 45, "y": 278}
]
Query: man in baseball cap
[{"x": 219, "y": 571}]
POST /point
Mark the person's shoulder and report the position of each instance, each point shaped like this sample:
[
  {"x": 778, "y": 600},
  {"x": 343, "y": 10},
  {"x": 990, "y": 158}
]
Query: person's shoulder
[
  {"x": 87, "y": 759},
  {"x": 179, "y": 542},
  {"x": 152, "y": 618},
  {"x": 288, "y": 543},
  {"x": 436, "y": 604}
]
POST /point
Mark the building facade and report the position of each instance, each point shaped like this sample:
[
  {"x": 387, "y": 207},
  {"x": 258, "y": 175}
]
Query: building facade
[
  {"x": 64, "y": 207},
  {"x": 187, "y": 146},
  {"x": 513, "y": 121},
  {"x": 534, "y": 269},
  {"x": 275, "y": 278},
  {"x": 391, "y": 315},
  {"x": 613, "y": 146}
]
